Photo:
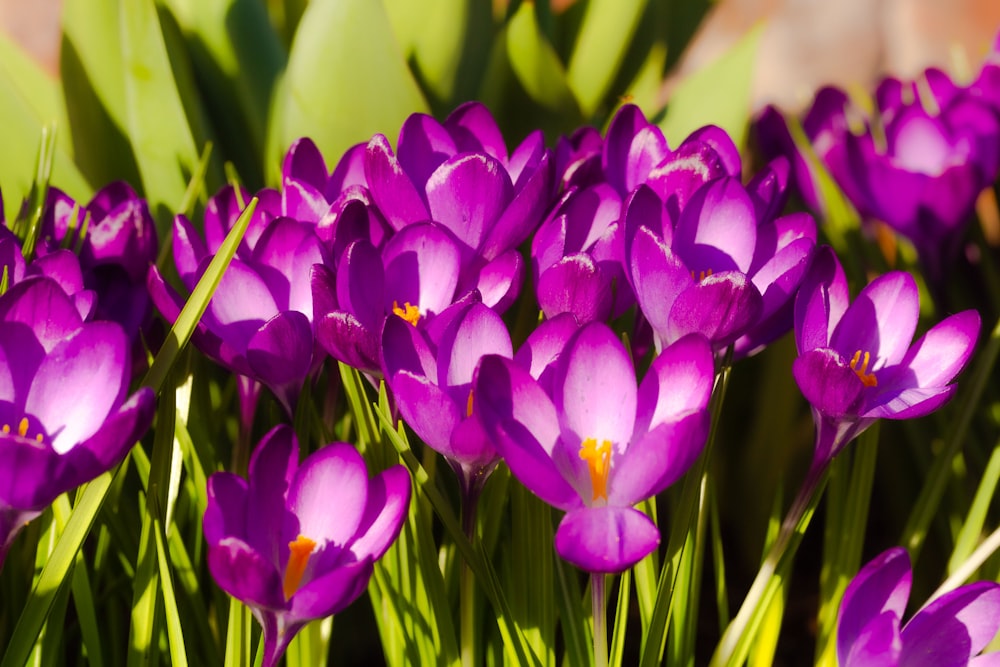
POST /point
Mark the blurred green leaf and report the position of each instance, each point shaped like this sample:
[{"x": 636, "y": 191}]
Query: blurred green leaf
[
  {"x": 536, "y": 63},
  {"x": 237, "y": 56},
  {"x": 718, "y": 94},
  {"x": 163, "y": 117},
  {"x": 346, "y": 80},
  {"x": 605, "y": 34},
  {"x": 29, "y": 101},
  {"x": 93, "y": 85}
]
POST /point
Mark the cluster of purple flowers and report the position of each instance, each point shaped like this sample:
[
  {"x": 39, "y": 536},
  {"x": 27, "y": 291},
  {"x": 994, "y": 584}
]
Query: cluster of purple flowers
[{"x": 402, "y": 263}]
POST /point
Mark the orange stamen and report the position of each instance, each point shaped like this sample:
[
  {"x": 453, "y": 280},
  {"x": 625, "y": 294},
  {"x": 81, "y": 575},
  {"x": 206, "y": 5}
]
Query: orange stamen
[
  {"x": 867, "y": 378},
  {"x": 408, "y": 312},
  {"x": 301, "y": 549},
  {"x": 468, "y": 405},
  {"x": 598, "y": 458}
]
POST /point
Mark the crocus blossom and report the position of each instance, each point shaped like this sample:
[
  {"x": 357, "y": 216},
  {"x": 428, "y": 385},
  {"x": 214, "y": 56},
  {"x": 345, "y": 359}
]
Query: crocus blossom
[
  {"x": 65, "y": 416},
  {"x": 430, "y": 374},
  {"x": 274, "y": 543},
  {"x": 950, "y": 631},
  {"x": 586, "y": 440},
  {"x": 856, "y": 362}
]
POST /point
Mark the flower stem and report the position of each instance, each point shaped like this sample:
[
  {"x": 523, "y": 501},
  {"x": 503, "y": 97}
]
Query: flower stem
[
  {"x": 733, "y": 640},
  {"x": 600, "y": 619},
  {"x": 466, "y": 583}
]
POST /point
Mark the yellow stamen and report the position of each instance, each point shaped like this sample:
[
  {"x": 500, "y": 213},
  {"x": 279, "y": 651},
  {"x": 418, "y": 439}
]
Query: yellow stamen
[
  {"x": 468, "y": 405},
  {"x": 408, "y": 312},
  {"x": 701, "y": 274},
  {"x": 867, "y": 378},
  {"x": 22, "y": 427},
  {"x": 598, "y": 458},
  {"x": 6, "y": 428},
  {"x": 301, "y": 549}
]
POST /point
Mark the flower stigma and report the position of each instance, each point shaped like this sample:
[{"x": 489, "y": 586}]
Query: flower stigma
[
  {"x": 301, "y": 549},
  {"x": 22, "y": 429},
  {"x": 408, "y": 312},
  {"x": 598, "y": 458},
  {"x": 868, "y": 379}
]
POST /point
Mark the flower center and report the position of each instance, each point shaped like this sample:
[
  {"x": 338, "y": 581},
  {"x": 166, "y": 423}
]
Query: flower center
[
  {"x": 301, "y": 549},
  {"x": 859, "y": 364},
  {"x": 598, "y": 458},
  {"x": 408, "y": 312},
  {"x": 22, "y": 429},
  {"x": 468, "y": 405},
  {"x": 701, "y": 275}
]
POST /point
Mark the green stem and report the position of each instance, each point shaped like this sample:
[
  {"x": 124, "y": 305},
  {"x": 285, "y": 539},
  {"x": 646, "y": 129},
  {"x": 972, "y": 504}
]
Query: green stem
[
  {"x": 466, "y": 582},
  {"x": 600, "y": 619},
  {"x": 756, "y": 600}
]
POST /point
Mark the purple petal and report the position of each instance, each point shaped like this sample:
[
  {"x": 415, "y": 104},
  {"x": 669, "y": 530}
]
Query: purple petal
[
  {"x": 942, "y": 352},
  {"x": 717, "y": 231},
  {"x": 828, "y": 383},
  {"x": 657, "y": 458},
  {"x": 721, "y": 307},
  {"x": 284, "y": 248},
  {"x": 245, "y": 574},
  {"x": 545, "y": 345},
  {"x": 881, "y": 320},
  {"x": 44, "y": 307},
  {"x": 499, "y": 282},
  {"x": 334, "y": 476},
  {"x": 475, "y": 131},
  {"x": 330, "y": 592},
  {"x": 349, "y": 172},
  {"x": 605, "y": 539},
  {"x": 27, "y": 471},
  {"x": 226, "y": 507},
  {"x": 91, "y": 364},
  {"x": 272, "y": 468},
  {"x": 280, "y": 352},
  {"x": 388, "y": 503},
  {"x": 596, "y": 387},
  {"x": 391, "y": 187},
  {"x": 467, "y": 194},
  {"x": 428, "y": 409},
  {"x": 521, "y": 215},
  {"x": 477, "y": 332},
  {"x": 953, "y": 628},
  {"x": 522, "y": 422},
  {"x": 632, "y": 148},
  {"x": 421, "y": 268},
  {"x": 360, "y": 284},
  {"x": 876, "y": 645},
  {"x": 679, "y": 381},
  {"x": 575, "y": 284},
  {"x": 881, "y": 587},
  {"x": 658, "y": 277},
  {"x": 723, "y": 146},
  {"x": 241, "y": 303},
  {"x": 406, "y": 348},
  {"x": 424, "y": 145},
  {"x": 346, "y": 339},
  {"x": 821, "y": 301}
]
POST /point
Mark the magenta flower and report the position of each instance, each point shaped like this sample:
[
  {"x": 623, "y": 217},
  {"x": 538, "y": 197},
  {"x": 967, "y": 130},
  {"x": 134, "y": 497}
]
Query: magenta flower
[
  {"x": 414, "y": 275},
  {"x": 856, "y": 363},
  {"x": 722, "y": 266},
  {"x": 950, "y": 631},
  {"x": 274, "y": 543},
  {"x": 430, "y": 373},
  {"x": 65, "y": 416},
  {"x": 586, "y": 440},
  {"x": 459, "y": 174},
  {"x": 259, "y": 321}
]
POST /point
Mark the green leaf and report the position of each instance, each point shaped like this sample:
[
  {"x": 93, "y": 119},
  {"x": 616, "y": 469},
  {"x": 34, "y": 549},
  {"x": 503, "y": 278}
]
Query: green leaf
[
  {"x": 536, "y": 63},
  {"x": 346, "y": 80},
  {"x": 718, "y": 94},
  {"x": 604, "y": 37}
]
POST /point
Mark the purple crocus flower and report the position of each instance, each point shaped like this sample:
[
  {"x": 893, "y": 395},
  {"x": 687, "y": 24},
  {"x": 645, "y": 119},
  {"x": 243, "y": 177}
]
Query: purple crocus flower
[
  {"x": 950, "y": 631},
  {"x": 856, "y": 363},
  {"x": 259, "y": 321},
  {"x": 430, "y": 373},
  {"x": 274, "y": 543},
  {"x": 460, "y": 175},
  {"x": 719, "y": 266},
  {"x": 584, "y": 439},
  {"x": 414, "y": 275},
  {"x": 65, "y": 416}
]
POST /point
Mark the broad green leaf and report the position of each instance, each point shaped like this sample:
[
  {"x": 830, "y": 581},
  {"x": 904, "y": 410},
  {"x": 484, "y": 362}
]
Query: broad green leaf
[
  {"x": 718, "y": 94},
  {"x": 235, "y": 70},
  {"x": 93, "y": 85},
  {"x": 346, "y": 80},
  {"x": 604, "y": 37},
  {"x": 536, "y": 63},
  {"x": 161, "y": 107},
  {"x": 39, "y": 91}
]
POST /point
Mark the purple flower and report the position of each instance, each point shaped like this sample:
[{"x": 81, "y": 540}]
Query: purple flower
[
  {"x": 856, "y": 363},
  {"x": 259, "y": 321},
  {"x": 949, "y": 631},
  {"x": 459, "y": 175},
  {"x": 414, "y": 275},
  {"x": 584, "y": 439},
  {"x": 722, "y": 265},
  {"x": 577, "y": 257},
  {"x": 65, "y": 416},
  {"x": 274, "y": 543},
  {"x": 430, "y": 372}
]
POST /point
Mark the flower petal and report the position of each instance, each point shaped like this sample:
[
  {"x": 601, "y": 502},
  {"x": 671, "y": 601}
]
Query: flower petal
[
  {"x": 605, "y": 539},
  {"x": 953, "y": 628},
  {"x": 467, "y": 194},
  {"x": 388, "y": 503},
  {"x": 828, "y": 383},
  {"x": 881, "y": 320},
  {"x": 881, "y": 587},
  {"x": 391, "y": 187},
  {"x": 334, "y": 476},
  {"x": 245, "y": 574}
]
